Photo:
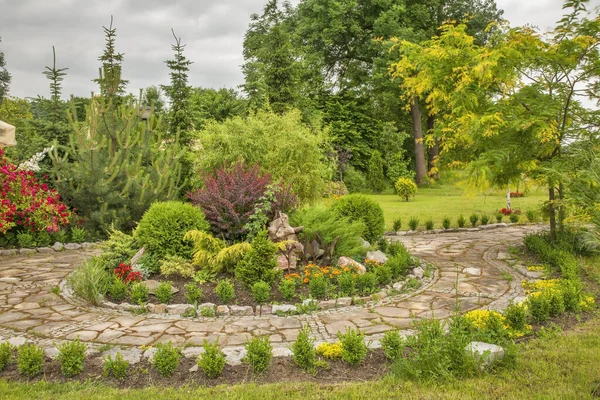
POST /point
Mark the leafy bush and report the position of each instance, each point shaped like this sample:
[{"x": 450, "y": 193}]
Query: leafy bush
[
  {"x": 446, "y": 223},
  {"x": 355, "y": 180},
  {"x": 375, "y": 175},
  {"x": 516, "y": 316},
  {"x": 531, "y": 215},
  {"x": 474, "y": 218},
  {"x": 399, "y": 264},
  {"x": 163, "y": 226},
  {"x": 164, "y": 292},
  {"x": 303, "y": 352},
  {"x": 499, "y": 217},
  {"x": 149, "y": 262},
  {"x": 166, "y": 358},
  {"x": 397, "y": 224},
  {"x": 212, "y": 361},
  {"x": 117, "y": 289},
  {"x": 261, "y": 291},
  {"x": 225, "y": 291},
  {"x": 213, "y": 254},
  {"x": 366, "y": 283},
  {"x": 25, "y": 240},
  {"x": 461, "y": 221},
  {"x": 347, "y": 283},
  {"x": 117, "y": 367},
  {"x": 43, "y": 239},
  {"x": 207, "y": 312},
  {"x": 177, "y": 265},
  {"x": 538, "y": 304},
  {"x": 413, "y": 223},
  {"x": 328, "y": 225},
  {"x": 5, "y": 355},
  {"x": 384, "y": 274},
  {"x": 429, "y": 224},
  {"x": 258, "y": 354},
  {"x": 90, "y": 281},
  {"x": 282, "y": 145},
  {"x": 259, "y": 264},
  {"x": 78, "y": 235},
  {"x": 71, "y": 356},
  {"x": 30, "y": 360},
  {"x": 319, "y": 287},
  {"x": 229, "y": 197},
  {"x": 357, "y": 207},
  {"x": 354, "y": 349},
  {"x": 393, "y": 345},
  {"x": 406, "y": 188},
  {"x": 193, "y": 293},
  {"x": 485, "y": 219},
  {"x": 514, "y": 218},
  {"x": 28, "y": 203},
  {"x": 119, "y": 248},
  {"x": 139, "y": 293},
  {"x": 287, "y": 288}
]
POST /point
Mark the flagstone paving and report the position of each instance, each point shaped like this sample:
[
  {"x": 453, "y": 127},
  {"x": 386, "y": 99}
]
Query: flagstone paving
[{"x": 471, "y": 273}]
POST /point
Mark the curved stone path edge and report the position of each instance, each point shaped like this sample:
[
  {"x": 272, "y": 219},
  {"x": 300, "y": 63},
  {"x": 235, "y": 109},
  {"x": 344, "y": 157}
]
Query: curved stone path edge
[{"x": 471, "y": 273}]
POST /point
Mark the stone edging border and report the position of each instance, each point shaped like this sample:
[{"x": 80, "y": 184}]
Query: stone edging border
[
  {"x": 57, "y": 246},
  {"x": 455, "y": 230}
]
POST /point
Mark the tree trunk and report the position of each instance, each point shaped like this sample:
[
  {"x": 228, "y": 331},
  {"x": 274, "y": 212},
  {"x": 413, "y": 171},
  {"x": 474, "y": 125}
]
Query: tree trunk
[
  {"x": 434, "y": 151},
  {"x": 508, "y": 199},
  {"x": 561, "y": 208},
  {"x": 551, "y": 211},
  {"x": 415, "y": 112}
]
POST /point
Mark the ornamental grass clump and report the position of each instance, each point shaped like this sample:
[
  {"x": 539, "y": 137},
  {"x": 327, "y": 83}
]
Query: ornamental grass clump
[
  {"x": 429, "y": 224},
  {"x": 446, "y": 223},
  {"x": 413, "y": 223},
  {"x": 354, "y": 349},
  {"x": 212, "y": 360},
  {"x": 474, "y": 218},
  {"x": 258, "y": 354}
]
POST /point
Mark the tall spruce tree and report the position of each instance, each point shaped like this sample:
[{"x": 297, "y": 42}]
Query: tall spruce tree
[
  {"x": 376, "y": 178},
  {"x": 110, "y": 78},
  {"x": 4, "y": 77},
  {"x": 179, "y": 92},
  {"x": 55, "y": 76}
]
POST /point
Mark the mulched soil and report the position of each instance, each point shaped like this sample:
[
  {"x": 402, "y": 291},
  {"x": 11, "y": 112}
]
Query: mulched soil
[{"x": 282, "y": 369}]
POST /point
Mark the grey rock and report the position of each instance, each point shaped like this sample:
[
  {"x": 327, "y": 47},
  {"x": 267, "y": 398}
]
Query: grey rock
[
  {"x": 192, "y": 352},
  {"x": 10, "y": 279},
  {"x": 472, "y": 271},
  {"x": 72, "y": 246},
  {"x": 241, "y": 310},
  {"x": 157, "y": 308},
  {"x": 153, "y": 285},
  {"x": 26, "y": 252},
  {"x": 87, "y": 245},
  {"x": 344, "y": 302},
  {"x": 347, "y": 261},
  {"x": 365, "y": 244},
  {"x": 411, "y": 276},
  {"x": 308, "y": 302},
  {"x": 418, "y": 272},
  {"x": 264, "y": 309},
  {"x": 8, "y": 252},
  {"x": 51, "y": 352},
  {"x": 535, "y": 274},
  {"x": 132, "y": 355},
  {"x": 282, "y": 308},
  {"x": 109, "y": 304},
  {"x": 222, "y": 310},
  {"x": 179, "y": 309},
  {"x": 398, "y": 286},
  {"x": 125, "y": 306},
  {"x": 487, "y": 353},
  {"x": 282, "y": 352},
  {"x": 378, "y": 256},
  {"x": 45, "y": 250},
  {"x": 234, "y": 355},
  {"x": 327, "y": 304},
  {"x": 194, "y": 368},
  {"x": 137, "y": 256},
  {"x": 149, "y": 354},
  {"x": 57, "y": 246},
  {"x": 17, "y": 341},
  {"x": 374, "y": 344}
]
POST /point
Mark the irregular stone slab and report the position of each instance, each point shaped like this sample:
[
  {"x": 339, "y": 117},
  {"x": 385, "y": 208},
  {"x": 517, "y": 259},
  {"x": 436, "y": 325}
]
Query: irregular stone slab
[
  {"x": 133, "y": 355},
  {"x": 179, "y": 309},
  {"x": 472, "y": 271},
  {"x": 27, "y": 252},
  {"x": 8, "y": 252},
  {"x": 344, "y": 302},
  {"x": 84, "y": 336},
  {"x": 485, "y": 352},
  {"x": 192, "y": 352},
  {"x": 327, "y": 305},
  {"x": 282, "y": 352},
  {"x": 378, "y": 256},
  {"x": 222, "y": 310},
  {"x": 57, "y": 246},
  {"x": 149, "y": 353},
  {"x": 156, "y": 308},
  {"x": 347, "y": 261},
  {"x": 17, "y": 341},
  {"x": 393, "y": 312},
  {"x": 418, "y": 272},
  {"x": 45, "y": 250},
  {"x": 285, "y": 323},
  {"x": 234, "y": 355},
  {"x": 10, "y": 279},
  {"x": 72, "y": 246},
  {"x": 241, "y": 310},
  {"x": 337, "y": 327}
]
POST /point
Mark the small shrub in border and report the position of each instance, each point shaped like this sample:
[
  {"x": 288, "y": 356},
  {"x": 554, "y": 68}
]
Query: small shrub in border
[
  {"x": 225, "y": 291},
  {"x": 516, "y": 316},
  {"x": 485, "y": 219},
  {"x": 514, "y": 218},
  {"x": 166, "y": 359},
  {"x": 499, "y": 217},
  {"x": 258, "y": 354},
  {"x": 30, "y": 360},
  {"x": 164, "y": 292},
  {"x": 318, "y": 287},
  {"x": 346, "y": 283},
  {"x": 473, "y": 219},
  {"x": 392, "y": 344},
  {"x": 330, "y": 350},
  {"x": 117, "y": 367},
  {"x": 413, "y": 223},
  {"x": 304, "y": 353},
  {"x": 287, "y": 288},
  {"x": 71, "y": 356},
  {"x": 139, "y": 293},
  {"x": 117, "y": 289},
  {"x": 446, "y": 223},
  {"x": 538, "y": 304},
  {"x": 397, "y": 224},
  {"x": 354, "y": 349},
  {"x": 429, "y": 224},
  {"x": 5, "y": 355},
  {"x": 212, "y": 361},
  {"x": 193, "y": 293},
  {"x": 366, "y": 283},
  {"x": 261, "y": 291},
  {"x": 461, "y": 221}
]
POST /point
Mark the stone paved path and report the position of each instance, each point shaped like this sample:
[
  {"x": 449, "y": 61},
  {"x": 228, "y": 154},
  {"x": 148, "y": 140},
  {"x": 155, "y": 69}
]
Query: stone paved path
[{"x": 29, "y": 308}]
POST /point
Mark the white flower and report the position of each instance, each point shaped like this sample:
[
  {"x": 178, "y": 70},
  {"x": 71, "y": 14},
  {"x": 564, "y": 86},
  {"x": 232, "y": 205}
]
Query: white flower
[{"x": 33, "y": 163}]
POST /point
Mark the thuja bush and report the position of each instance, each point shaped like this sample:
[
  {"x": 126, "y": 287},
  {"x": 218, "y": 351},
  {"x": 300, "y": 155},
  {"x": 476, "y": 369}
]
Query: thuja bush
[
  {"x": 357, "y": 207},
  {"x": 258, "y": 354},
  {"x": 212, "y": 360},
  {"x": 163, "y": 227},
  {"x": 166, "y": 359},
  {"x": 27, "y": 204},
  {"x": 304, "y": 354},
  {"x": 354, "y": 349},
  {"x": 228, "y": 198},
  {"x": 259, "y": 264},
  {"x": 71, "y": 356}
]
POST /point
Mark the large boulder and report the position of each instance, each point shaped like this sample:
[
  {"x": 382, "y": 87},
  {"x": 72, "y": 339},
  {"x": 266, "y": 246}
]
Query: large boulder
[{"x": 378, "y": 256}]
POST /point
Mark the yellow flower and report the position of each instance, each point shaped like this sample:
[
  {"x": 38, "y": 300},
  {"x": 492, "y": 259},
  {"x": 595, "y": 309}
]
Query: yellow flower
[{"x": 330, "y": 350}]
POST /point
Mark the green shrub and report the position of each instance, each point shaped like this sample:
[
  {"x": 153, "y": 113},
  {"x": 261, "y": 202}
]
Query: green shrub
[
  {"x": 71, "y": 357},
  {"x": 90, "y": 281},
  {"x": 119, "y": 248},
  {"x": 78, "y": 235},
  {"x": 539, "y": 306},
  {"x": 446, "y": 223},
  {"x": 355, "y": 180},
  {"x": 258, "y": 354},
  {"x": 354, "y": 349},
  {"x": 328, "y": 225},
  {"x": 405, "y": 188},
  {"x": 413, "y": 223},
  {"x": 261, "y": 291},
  {"x": 212, "y": 361},
  {"x": 25, "y": 240},
  {"x": 177, "y": 265},
  {"x": 164, "y": 292},
  {"x": 139, "y": 293},
  {"x": 117, "y": 289},
  {"x": 5, "y": 355},
  {"x": 485, "y": 219},
  {"x": 117, "y": 367},
  {"x": 346, "y": 283},
  {"x": 166, "y": 358},
  {"x": 366, "y": 283},
  {"x": 287, "y": 288},
  {"x": 382, "y": 245},
  {"x": 516, "y": 316},
  {"x": 571, "y": 292},
  {"x": 375, "y": 175},
  {"x": 514, "y": 218},
  {"x": 384, "y": 274},
  {"x": 397, "y": 224},
  {"x": 303, "y": 352},
  {"x": 461, "y": 221},
  {"x": 499, "y": 217},
  {"x": 531, "y": 215},
  {"x": 474, "y": 218},
  {"x": 225, "y": 291},
  {"x": 259, "y": 264},
  {"x": 429, "y": 224},
  {"x": 393, "y": 345},
  {"x": 207, "y": 312},
  {"x": 357, "y": 207},
  {"x": 193, "y": 293},
  {"x": 399, "y": 264},
  {"x": 60, "y": 236},
  {"x": 319, "y": 287},
  {"x": 557, "y": 303},
  {"x": 149, "y": 262},
  {"x": 163, "y": 226},
  {"x": 43, "y": 239},
  {"x": 30, "y": 360}
]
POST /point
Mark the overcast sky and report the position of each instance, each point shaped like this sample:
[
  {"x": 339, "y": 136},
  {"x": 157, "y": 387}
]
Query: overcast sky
[{"x": 212, "y": 30}]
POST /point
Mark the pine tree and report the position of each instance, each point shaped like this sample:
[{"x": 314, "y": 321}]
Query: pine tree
[
  {"x": 179, "y": 92},
  {"x": 376, "y": 178},
  {"x": 4, "y": 77}
]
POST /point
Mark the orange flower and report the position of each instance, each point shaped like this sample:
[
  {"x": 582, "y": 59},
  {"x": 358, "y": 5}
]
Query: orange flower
[{"x": 305, "y": 280}]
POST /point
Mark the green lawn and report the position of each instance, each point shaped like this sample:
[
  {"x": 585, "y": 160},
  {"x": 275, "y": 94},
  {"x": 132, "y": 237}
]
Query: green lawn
[
  {"x": 448, "y": 201},
  {"x": 562, "y": 367}
]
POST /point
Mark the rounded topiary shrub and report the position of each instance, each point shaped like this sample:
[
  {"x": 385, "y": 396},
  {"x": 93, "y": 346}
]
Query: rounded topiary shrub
[
  {"x": 405, "y": 188},
  {"x": 164, "y": 225},
  {"x": 357, "y": 207}
]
